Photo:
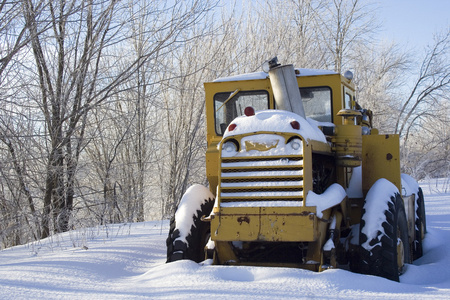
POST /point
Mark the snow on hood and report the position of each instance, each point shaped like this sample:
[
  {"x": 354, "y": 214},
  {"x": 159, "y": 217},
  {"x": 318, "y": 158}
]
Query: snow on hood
[{"x": 276, "y": 121}]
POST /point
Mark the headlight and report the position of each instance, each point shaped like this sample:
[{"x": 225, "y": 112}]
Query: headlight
[
  {"x": 296, "y": 144},
  {"x": 230, "y": 147}
]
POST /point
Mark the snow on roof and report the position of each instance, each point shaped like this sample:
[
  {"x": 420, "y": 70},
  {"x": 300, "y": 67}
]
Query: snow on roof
[
  {"x": 240, "y": 77},
  {"x": 275, "y": 121},
  {"x": 314, "y": 72},
  {"x": 264, "y": 75}
]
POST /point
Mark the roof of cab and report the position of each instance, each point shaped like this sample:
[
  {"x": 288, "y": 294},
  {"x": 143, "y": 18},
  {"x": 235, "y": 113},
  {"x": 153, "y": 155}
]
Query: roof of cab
[{"x": 264, "y": 75}]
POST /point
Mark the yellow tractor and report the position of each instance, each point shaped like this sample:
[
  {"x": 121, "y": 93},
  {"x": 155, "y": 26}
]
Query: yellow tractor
[{"x": 298, "y": 177}]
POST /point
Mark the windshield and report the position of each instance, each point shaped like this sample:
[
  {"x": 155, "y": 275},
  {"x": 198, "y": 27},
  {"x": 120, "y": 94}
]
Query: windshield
[{"x": 229, "y": 105}]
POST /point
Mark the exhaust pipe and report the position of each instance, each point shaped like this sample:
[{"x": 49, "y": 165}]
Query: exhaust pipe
[{"x": 285, "y": 87}]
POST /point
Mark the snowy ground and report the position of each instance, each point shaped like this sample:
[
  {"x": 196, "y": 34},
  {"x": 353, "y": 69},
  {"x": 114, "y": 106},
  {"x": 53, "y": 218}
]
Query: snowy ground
[{"x": 128, "y": 262}]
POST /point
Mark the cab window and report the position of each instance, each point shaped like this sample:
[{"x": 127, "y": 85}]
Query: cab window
[
  {"x": 317, "y": 103},
  {"x": 348, "y": 101},
  {"x": 229, "y": 105}
]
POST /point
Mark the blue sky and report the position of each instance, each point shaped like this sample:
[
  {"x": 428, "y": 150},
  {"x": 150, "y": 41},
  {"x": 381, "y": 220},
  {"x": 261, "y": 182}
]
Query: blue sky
[{"x": 413, "y": 22}]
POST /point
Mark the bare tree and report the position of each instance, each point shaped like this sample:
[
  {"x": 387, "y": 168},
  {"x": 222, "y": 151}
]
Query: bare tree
[
  {"x": 14, "y": 35},
  {"x": 380, "y": 73},
  {"x": 427, "y": 153},
  {"x": 19, "y": 208},
  {"x": 342, "y": 25},
  {"x": 72, "y": 71},
  {"x": 430, "y": 87},
  {"x": 102, "y": 103},
  {"x": 181, "y": 120},
  {"x": 423, "y": 114}
]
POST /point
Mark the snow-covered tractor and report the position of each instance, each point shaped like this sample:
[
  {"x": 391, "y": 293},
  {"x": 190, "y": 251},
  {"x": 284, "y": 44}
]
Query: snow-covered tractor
[{"x": 298, "y": 177}]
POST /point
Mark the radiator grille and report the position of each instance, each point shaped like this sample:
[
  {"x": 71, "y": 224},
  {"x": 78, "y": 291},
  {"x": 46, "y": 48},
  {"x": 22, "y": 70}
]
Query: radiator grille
[{"x": 261, "y": 179}]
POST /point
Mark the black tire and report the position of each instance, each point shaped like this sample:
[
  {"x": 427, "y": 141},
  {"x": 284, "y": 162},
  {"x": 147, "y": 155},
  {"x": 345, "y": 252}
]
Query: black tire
[
  {"x": 420, "y": 225},
  {"x": 381, "y": 259},
  {"x": 422, "y": 212},
  {"x": 193, "y": 249}
]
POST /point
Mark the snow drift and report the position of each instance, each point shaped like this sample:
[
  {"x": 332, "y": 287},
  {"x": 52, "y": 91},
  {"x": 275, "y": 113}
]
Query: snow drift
[{"x": 127, "y": 261}]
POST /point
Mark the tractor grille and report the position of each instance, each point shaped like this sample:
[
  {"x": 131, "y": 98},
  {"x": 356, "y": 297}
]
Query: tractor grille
[{"x": 251, "y": 179}]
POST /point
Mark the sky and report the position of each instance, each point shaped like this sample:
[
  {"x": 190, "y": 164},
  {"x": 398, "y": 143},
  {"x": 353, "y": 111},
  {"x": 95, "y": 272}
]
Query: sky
[{"x": 412, "y": 23}]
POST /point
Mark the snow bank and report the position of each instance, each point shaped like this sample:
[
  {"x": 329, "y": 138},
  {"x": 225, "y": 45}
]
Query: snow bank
[
  {"x": 192, "y": 201},
  {"x": 127, "y": 261}
]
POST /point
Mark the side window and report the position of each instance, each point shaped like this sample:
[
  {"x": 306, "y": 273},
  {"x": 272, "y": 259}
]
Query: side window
[
  {"x": 348, "y": 101},
  {"x": 317, "y": 103},
  {"x": 228, "y": 106}
]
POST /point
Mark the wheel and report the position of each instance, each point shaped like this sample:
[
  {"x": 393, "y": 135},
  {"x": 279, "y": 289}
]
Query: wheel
[
  {"x": 188, "y": 234},
  {"x": 383, "y": 235},
  {"x": 420, "y": 225},
  {"x": 421, "y": 203}
]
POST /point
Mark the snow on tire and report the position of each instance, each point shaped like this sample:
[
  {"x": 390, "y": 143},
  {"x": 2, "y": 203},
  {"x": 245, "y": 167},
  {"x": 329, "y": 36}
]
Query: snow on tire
[
  {"x": 384, "y": 232},
  {"x": 188, "y": 234}
]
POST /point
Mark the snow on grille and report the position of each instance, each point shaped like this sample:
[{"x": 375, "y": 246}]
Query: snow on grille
[{"x": 261, "y": 179}]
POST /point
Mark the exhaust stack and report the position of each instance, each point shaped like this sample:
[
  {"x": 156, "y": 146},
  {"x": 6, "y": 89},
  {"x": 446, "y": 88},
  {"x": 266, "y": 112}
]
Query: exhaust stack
[{"x": 285, "y": 87}]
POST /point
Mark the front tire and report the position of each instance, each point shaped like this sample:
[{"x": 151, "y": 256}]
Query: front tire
[
  {"x": 384, "y": 238},
  {"x": 188, "y": 234}
]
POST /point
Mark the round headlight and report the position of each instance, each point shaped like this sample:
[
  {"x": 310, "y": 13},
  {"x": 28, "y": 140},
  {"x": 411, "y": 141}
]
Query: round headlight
[
  {"x": 295, "y": 144},
  {"x": 229, "y": 147}
]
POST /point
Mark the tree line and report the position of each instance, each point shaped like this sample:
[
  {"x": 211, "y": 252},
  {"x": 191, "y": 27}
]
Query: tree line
[{"x": 102, "y": 102}]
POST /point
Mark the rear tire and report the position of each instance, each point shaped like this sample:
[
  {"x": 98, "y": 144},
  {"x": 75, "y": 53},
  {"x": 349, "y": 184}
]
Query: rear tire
[
  {"x": 422, "y": 212},
  {"x": 386, "y": 253},
  {"x": 192, "y": 246},
  {"x": 420, "y": 225}
]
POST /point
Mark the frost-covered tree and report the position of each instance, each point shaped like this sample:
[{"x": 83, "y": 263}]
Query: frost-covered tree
[
  {"x": 423, "y": 113},
  {"x": 76, "y": 61},
  {"x": 379, "y": 77}
]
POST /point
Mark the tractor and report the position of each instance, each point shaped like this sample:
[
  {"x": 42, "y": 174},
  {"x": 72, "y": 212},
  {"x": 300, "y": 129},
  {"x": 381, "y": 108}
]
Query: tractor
[{"x": 298, "y": 177}]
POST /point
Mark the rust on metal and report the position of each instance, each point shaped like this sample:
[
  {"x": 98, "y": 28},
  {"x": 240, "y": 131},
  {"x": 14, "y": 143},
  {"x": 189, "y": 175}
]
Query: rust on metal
[{"x": 245, "y": 219}]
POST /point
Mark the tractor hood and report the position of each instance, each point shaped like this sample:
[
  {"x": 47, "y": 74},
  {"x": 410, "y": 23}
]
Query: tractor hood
[{"x": 275, "y": 121}]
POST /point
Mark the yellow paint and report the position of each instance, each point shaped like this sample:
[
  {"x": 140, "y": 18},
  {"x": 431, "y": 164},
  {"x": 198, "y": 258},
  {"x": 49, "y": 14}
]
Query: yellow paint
[
  {"x": 283, "y": 224},
  {"x": 381, "y": 159}
]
